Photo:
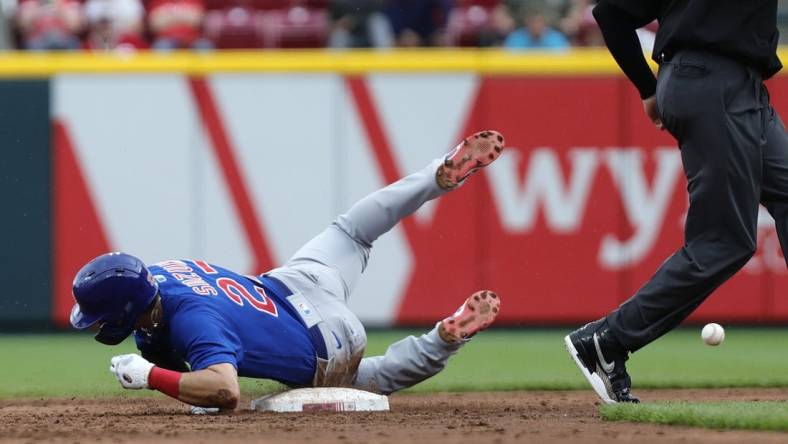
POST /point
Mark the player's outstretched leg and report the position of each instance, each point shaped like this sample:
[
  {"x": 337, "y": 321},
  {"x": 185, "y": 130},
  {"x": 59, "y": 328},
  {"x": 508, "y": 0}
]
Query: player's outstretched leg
[
  {"x": 377, "y": 213},
  {"x": 345, "y": 245},
  {"x": 412, "y": 360}
]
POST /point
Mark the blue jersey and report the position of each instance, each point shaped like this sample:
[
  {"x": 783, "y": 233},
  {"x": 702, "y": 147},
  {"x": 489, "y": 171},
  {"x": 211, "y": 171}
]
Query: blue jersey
[{"x": 212, "y": 315}]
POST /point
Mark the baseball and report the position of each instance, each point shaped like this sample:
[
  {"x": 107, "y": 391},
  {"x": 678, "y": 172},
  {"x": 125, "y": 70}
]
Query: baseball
[{"x": 713, "y": 334}]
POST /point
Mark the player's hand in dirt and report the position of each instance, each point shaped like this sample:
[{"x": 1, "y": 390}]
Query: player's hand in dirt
[
  {"x": 650, "y": 107},
  {"x": 132, "y": 371}
]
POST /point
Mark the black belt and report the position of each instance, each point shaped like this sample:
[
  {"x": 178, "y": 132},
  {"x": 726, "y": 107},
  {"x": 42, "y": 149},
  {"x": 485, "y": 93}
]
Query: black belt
[
  {"x": 281, "y": 290},
  {"x": 713, "y": 57}
]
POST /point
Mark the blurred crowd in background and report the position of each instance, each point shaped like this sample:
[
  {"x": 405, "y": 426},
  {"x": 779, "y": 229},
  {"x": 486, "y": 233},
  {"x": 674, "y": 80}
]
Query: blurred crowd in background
[{"x": 99, "y": 25}]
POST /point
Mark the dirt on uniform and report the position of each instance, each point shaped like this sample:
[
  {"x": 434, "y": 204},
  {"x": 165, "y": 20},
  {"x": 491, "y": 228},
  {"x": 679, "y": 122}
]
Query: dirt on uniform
[{"x": 497, "y": 417}]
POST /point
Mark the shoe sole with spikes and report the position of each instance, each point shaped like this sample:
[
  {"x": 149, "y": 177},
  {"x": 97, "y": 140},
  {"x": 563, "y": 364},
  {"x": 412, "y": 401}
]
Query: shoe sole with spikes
[
  {"x": 475, "y": 152},
  {"x": 473, "y": 316}
]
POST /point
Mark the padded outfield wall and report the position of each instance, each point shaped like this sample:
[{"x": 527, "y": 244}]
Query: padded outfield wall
[{"x": 240, "y": 158}]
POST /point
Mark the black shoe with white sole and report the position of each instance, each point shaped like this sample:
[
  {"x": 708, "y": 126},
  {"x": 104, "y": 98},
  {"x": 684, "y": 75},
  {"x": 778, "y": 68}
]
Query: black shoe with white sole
[{"x": 601, "y": 360}]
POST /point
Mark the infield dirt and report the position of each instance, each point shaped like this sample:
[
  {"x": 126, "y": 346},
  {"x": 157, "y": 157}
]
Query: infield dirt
[{"x": 497, "y": 417}]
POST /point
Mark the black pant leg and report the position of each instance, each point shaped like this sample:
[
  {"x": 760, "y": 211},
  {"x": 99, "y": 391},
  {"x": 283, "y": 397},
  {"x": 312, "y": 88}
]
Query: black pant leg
[
  {"x": 774, "y": 193},
  {"x": 715, "y": 116}
]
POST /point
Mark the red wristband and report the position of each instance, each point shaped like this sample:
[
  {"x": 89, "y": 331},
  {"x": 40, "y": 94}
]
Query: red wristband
[{"x": 165, "y": 381}]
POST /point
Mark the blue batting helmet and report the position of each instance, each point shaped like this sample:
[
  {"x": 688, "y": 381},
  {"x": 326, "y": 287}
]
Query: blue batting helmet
[{"x": 112, "y": 291}]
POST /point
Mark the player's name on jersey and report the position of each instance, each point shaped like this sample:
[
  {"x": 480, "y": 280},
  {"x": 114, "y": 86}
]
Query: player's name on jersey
[{"x": 186, "y": 275}]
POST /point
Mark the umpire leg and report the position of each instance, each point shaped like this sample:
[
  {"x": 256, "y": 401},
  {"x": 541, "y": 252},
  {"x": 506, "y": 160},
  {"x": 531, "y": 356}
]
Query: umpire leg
[
  {"x": 774, "y": 193},
  {"x": 713, "y": 108}
]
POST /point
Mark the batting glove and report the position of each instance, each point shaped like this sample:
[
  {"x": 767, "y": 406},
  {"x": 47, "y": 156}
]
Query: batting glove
[{"x": 132, "y": 371}]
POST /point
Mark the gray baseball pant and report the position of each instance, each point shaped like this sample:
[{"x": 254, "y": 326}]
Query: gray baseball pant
[{"x": 326, "y": 270}]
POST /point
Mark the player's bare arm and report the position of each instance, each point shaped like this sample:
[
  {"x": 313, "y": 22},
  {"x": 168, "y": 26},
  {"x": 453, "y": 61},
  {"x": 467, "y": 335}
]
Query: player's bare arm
[{"x": 215, "y": 386}]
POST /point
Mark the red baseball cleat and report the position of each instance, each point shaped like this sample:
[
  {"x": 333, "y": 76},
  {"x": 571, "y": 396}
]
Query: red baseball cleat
[
  {"x": 473, "y": 316},
  {"x": 476, "y": 151}
]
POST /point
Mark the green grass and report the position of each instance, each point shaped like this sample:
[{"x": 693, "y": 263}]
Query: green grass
[
  {"x": 74, "y": 365},
  {"x": 763, "y": 415},
  {"x": 536, "y": 359}
]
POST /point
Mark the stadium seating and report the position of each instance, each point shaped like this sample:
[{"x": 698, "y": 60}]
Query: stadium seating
[
  {"x": 465, "y": 23},
  {"x": 296, "y": 27},
  {"x": 239, "y": 24},
  {"x": 233, "y": 28},
  {"x": 482, "y": 3}
]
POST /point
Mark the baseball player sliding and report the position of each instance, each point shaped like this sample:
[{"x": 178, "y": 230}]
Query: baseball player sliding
[{"x": 199, "y": 326}]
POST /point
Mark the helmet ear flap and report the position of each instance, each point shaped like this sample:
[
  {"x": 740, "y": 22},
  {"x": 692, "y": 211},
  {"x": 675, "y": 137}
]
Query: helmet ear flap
[{"x": 113, "y": 333}]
